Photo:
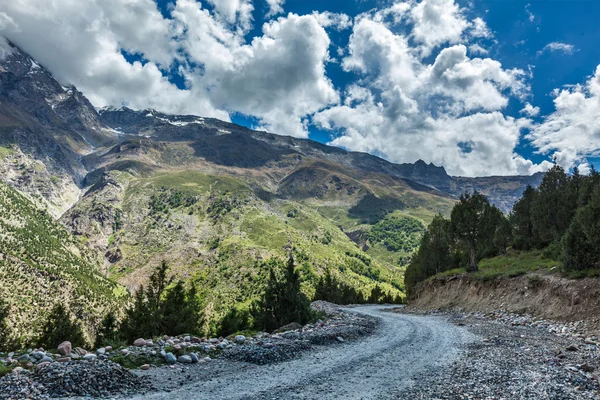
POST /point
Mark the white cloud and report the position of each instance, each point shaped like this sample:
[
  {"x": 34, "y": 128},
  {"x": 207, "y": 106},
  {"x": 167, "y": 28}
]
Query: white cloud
[
  {"x": 275, "y": 7},
  {"x": 558, "y": 47},
  {"x": 530, "y": 110},
  {"x": 572, "y": 131},
  {"x": 477, "y": 49},
  {"x": 336, "y": 20},
  {"x": 530, "y": 15},
  {"x": 281, "y": 97},
  {"x": 448, "y": 112},
  {"x": 278, "y": 77},
  {"x": 235, "y": 11},
  {"x": 437, "y": 22}
]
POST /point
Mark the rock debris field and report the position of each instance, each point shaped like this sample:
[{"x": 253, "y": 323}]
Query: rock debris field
[{"x": 365, "y": 352}]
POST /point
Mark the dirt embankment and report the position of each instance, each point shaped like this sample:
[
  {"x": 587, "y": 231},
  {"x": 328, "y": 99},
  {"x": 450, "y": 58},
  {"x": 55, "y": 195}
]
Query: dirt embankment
[{"x": 545, "y": 296}]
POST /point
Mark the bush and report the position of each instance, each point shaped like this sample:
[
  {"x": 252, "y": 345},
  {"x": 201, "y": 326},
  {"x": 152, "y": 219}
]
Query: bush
[{"x": 237, "y": 319}]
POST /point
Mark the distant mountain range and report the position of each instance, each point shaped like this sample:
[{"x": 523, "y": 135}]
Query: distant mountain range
[{"x": 212, "y": 198}]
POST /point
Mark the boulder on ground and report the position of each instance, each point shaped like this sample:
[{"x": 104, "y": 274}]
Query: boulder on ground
[
  {"x": 240, "y": 339},
  {"x": 289, "y": 327},
  {"x": 64, "y": 349},
  {"x": 139, "y": 342}
]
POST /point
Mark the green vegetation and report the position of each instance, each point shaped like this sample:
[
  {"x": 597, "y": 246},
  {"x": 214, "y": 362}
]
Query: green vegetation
[
  {"x": 397, "y": 233},
  {"x": 5, "y": 336},
  {"x": 5, "y": 152},
  {"x": 282, "y": 301},
  {"x": 60, "y": 327},
  {"x": 558, "y": 221},
  {"x": 160, "y": 309},
  {"x": 43, "y": 264}
]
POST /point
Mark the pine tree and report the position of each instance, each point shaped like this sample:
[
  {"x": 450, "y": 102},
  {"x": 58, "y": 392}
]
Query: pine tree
[
  {"x": 553, "y": 208},
  {"x": 178, "y": 314},
  {"x": 473, "y": 223},
  {"x": 503, "y": 235},
  {"x": 282, "y": 302},
  {"x": 60, "y": 327},
  {"x": 5, "y": 338},
  {"x": 137, "y": 321},
  {"x": 581, "y": 244},
  {"x": 108, "y": 331},
  {"x": 523, "y": 233},
  {"x": 376, "y": 295}
]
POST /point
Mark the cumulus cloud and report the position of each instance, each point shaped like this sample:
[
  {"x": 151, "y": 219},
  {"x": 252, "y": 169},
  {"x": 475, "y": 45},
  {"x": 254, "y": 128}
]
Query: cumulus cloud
[
  {"x": 424, "y": 86},
  {"x": 328, "y": 19},
  {"x": 278, "y": 77},
  {"x": 530, "y": 110},
  {"x": 557, "y": 47},
  {"x": 275, "y": 7},
  {"x": 572, "y": 131},
  {"x": 448, "y": 111}
]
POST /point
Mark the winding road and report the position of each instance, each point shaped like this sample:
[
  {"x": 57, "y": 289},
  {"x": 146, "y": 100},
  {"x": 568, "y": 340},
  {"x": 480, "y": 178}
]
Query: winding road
[{"x": 376, "y": 367}]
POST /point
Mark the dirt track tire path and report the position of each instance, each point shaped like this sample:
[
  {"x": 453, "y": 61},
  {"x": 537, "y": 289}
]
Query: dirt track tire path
[{"x": 376, "y": 367}]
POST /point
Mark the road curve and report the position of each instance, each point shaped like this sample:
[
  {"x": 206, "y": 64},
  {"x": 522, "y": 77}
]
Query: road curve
[{"x": 376, "y": 367}]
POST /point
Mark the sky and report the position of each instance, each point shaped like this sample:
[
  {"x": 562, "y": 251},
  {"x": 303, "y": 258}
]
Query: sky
[{"x": 480, "y": 87}]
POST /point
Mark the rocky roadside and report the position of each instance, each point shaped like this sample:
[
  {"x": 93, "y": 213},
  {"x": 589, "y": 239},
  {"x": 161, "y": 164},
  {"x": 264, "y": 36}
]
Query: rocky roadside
[
  {"x": 518, "y": 357},
  {"x": 165, "y": 363}
]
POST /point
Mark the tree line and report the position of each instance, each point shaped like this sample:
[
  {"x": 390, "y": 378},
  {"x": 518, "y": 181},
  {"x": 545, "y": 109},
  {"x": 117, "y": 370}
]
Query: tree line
[
  {"x": 560, "y": 217},
  {"x": 174, "y": 308}
]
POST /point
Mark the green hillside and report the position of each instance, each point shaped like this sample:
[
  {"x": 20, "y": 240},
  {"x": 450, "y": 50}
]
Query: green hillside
[
  {"x": 42, "y": 264},
  {"x": 219, "y": 227}
]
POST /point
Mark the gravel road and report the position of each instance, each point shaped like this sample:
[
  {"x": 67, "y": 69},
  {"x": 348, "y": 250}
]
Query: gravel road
[{"x": 375, "y": 367}]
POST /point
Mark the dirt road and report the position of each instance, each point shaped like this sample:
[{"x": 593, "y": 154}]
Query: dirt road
[{"x": 378, "y": 366}]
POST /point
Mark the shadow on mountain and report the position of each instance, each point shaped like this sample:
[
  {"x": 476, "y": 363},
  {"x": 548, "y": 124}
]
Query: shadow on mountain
[
  {"x": 371, "y": 209},
  {"x": 238, "y": 150}
]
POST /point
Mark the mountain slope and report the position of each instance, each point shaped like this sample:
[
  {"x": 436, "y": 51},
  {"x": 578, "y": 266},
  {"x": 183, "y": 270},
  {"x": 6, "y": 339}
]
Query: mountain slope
[
  {"x": 44, "y": 128},
  {"x": 213, "y": 199},
  {"x": 42, "y": 264}
]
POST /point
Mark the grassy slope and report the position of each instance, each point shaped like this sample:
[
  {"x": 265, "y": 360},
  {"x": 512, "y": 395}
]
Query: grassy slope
[
  {"x": 218, "y": 229},
  {"x": 41, "y": 263},
  {"x": 514, "y": 263}
]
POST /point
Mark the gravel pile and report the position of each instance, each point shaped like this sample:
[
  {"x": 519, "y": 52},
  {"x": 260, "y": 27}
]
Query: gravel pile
[
  {"x": 514, "y": 361},
  {"x": 95, "y": 379},
  {"x": 86, "y": 379},
  {"x": 18, "y": 386},
  {"x": 338, "y": 327}
]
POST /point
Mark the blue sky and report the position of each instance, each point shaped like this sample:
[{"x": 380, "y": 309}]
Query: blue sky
[{"x": 480, "y": 87}]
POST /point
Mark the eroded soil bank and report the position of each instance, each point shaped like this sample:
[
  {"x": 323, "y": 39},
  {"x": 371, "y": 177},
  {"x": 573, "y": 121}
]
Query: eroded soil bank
[{"x": 544, "y": 296}]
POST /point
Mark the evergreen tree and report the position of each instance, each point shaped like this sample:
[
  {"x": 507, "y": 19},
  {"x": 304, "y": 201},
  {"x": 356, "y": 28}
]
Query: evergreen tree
[
  {"x": 180, "y": 310},
  {"x": 376, "y": 295},
  {"x": 553, "y": 208},
  {"x": 581, "y": 245},
  {"x": 60, "y": 327},
  {"x": 237, "y": 319},
  {"x": 503, "y": 235},
  {"x": 137, "y": 321},
  {"x": 5, "y": 339},
  {"x": 473, "y": 223},
  {"x": 282, "y": 302},
  {"x": 523, "y": 233},
  {"x": 108, "y": 331},
  {"x": 434, "y": 254}
]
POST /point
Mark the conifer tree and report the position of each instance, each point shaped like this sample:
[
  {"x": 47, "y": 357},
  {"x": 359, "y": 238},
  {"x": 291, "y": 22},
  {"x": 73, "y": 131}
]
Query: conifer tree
[
  {"x": 5, "y": 339},
  {"x": 282, "y": 302},
  {"x": 60, "y": 327},
  {"x": 108, "y": 331}
]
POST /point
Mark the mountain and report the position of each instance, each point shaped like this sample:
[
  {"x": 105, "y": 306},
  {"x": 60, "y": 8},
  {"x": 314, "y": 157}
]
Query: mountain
[
  {"x": 42, "y": 263},
  {"x": 212, "y": 198}
]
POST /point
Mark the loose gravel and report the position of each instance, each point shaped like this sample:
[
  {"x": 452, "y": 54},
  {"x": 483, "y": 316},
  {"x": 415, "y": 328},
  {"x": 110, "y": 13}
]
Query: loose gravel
[{"x": 516, "y": 357}]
